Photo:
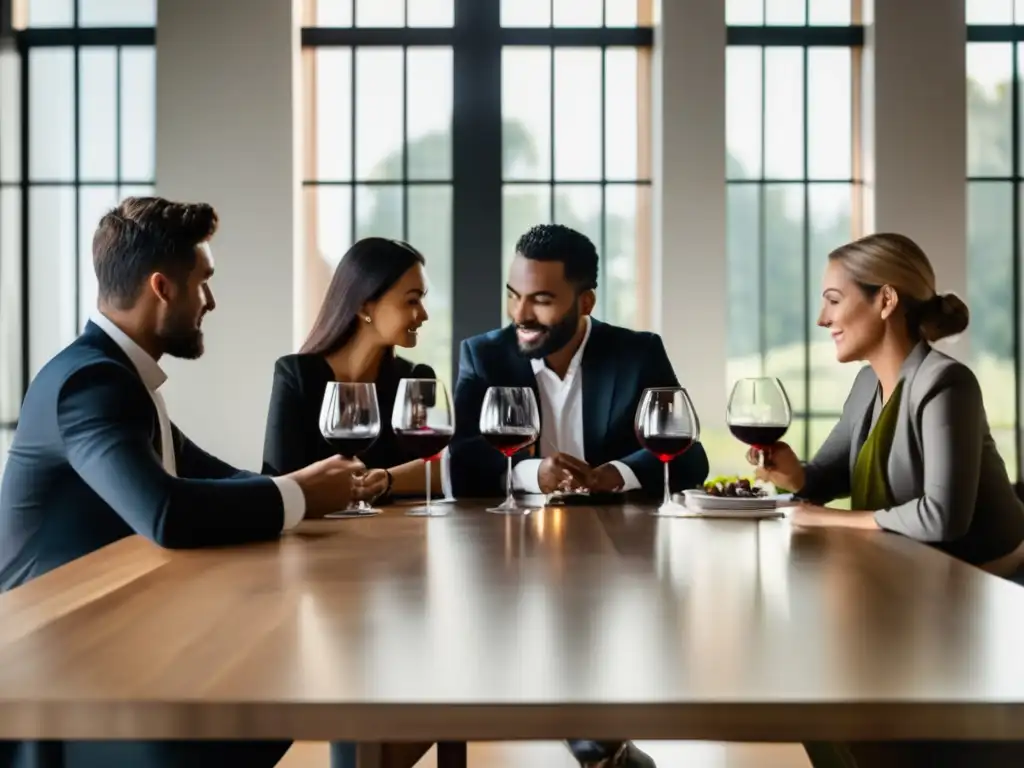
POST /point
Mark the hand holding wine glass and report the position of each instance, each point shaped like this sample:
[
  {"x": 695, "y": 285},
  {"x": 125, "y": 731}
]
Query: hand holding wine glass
[
  {"x": 667, "y": 426},
  {"x": 350, "y": 422},
  {"x": 509, "y": 422},
  {"x": 759, "y": 414},
  {"x": 778, "y": 465},
  {"x": 424, "y": 424}
]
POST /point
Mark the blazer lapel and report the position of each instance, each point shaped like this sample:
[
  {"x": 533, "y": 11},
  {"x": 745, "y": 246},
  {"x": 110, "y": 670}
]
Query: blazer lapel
[
  {"x": 900, "y": 468},
  {"x": 599, "y": 377}
]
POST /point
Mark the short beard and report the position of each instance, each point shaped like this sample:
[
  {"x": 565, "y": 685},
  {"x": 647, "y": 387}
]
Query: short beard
[
  {"x": 181, "y": 340},
  {"x": 556, "y": 336}
]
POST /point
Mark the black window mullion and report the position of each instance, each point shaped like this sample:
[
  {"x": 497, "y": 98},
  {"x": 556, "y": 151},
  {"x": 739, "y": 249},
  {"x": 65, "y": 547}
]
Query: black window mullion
[{"x": 476, "y": 170}]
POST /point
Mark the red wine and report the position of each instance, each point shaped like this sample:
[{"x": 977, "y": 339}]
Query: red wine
[
  {"x": 512, "y": 440},
  {"x": 351, "y": 445},
  {"x": 666, "y": 447},
  {"x": 425, "y": 443},
  {"x": 761, "y": 435}
]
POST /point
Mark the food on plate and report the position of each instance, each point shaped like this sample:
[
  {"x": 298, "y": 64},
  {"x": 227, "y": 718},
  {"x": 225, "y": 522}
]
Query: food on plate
[{"x": 736, "y": 487}]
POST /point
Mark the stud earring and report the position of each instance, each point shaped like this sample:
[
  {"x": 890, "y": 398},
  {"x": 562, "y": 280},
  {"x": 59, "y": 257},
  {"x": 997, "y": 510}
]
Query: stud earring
[{"x": 367, "y": 318}]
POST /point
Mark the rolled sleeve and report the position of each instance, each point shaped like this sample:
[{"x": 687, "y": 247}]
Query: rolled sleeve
[{"x": 293, "y": 500}]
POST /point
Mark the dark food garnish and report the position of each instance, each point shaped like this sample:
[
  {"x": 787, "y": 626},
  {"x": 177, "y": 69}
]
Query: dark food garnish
[{"x": 740, "y": 489}]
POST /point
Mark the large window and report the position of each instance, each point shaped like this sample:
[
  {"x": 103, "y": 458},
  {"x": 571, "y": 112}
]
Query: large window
[
  {"x": 458, "y": 124},
  {"x": 995, "y": 59},
  {"x": 793, "y": 194},
  {"x": 77, "y": 119}
]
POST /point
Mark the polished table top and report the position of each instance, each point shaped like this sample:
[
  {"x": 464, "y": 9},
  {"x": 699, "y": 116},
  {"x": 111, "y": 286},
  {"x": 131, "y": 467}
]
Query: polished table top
[{"x": 601, "y": 622}]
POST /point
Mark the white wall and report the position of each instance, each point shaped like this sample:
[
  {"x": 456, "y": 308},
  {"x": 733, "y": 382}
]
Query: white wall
[{"x": 226, "y": 135}]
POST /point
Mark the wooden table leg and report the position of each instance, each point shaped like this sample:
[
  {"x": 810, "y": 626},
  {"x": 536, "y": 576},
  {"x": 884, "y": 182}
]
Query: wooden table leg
[{"x": 451, "y": 754}]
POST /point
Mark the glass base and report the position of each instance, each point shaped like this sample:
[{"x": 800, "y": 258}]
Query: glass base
[
  {"x": 506, "y": 508},
  {"x": 672, "y": 509},
  {"x": 434, "y": 510},
  {"x": 351, "y": 513}
]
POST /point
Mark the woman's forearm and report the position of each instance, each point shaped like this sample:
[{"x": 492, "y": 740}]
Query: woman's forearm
[{"x": 411, "y": 478}]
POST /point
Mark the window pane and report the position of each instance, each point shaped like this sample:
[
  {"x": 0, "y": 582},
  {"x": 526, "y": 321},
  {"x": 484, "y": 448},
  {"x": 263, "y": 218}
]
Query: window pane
[
  {"x": 579, "y": 206},
  {"x": 784, "y": 288},
  {"x": 743, "y": 112},
  {"x": 51, "y": 114},
  {"x": 830, "y": 207},
  {"x": 526, "y": 113},
  {"x": 626, "y": 260},
  {"x": 10, "y": 303},
  {"x": 577, "y": 113},
  {"x": 330, "y": 209},
  {"x": 117, "y": 13},
  {"x": 379, "y": 211},
  {"x": 333, "y": 13},
  {"x": 52, "y": 305},
  {"x": 97, "y": 105},
  {"x": 134, "y": 190},
  {"x": 523, "y": 205},
  {"x": 51, "y": 13},
  {"x": 526, "y": 13},
  {"x": 10, "y": 116},
  {"x": 744, "y": 12},
  {"x": 783, "y": 130},
  {"x": 785, "y": 12},
  {"x": 138, "y": 113},
  {"x": 830, "y": 117},
  {"x": 380, "y": 13},
  {"x": 93, "y": 203},
  {"x": 990, "y": 221},
  {"x": 430, "y": 232},
  {"x": 990, "y": 11},
  {"x": 431, "y": 13},
  {"x": 429, "y": 121},
  {"x": 743, "y": 248},
  {"x": 622, "y": 114},
  {"x": 1018, "y": 11},
  {"x": 830, "y": 13},
  {"x": 989, "y": 109},
  {"x": 333, "y": 114},
  {"x": 379, "y": 113},
  {"x": 578, "y": 13},
  {"x": 628, "y": 13}
]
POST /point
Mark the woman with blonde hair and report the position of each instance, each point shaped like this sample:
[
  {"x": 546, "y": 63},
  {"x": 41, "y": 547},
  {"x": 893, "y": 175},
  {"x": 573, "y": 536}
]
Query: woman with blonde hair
[{"x": 912, "y": 449}]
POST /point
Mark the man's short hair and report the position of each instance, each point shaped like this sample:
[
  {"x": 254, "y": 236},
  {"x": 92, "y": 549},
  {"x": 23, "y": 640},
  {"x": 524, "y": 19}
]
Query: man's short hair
[
  {"x": 557, "y": 242},
  {"x": 144, "y": 235}
]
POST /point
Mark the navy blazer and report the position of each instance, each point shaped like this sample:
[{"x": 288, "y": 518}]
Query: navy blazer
[
  {"x": 84, "y": 470},
  {"x": 618, "y": 365}
]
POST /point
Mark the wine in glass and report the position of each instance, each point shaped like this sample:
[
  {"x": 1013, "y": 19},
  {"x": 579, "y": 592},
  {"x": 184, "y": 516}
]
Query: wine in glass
[
  {"x": 509, "y": 422},
  {"x": 759, "y": 413},
  {"x": 667, "y": 426},
  {"x": 423, "y": 423},
  {"x": 350, "y": 423}
]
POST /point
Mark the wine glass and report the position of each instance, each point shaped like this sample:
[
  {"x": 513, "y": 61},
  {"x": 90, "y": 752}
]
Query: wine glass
[
  {"x": 667, "y": 426},
  {"x": 759, "y": 413},
  {"x": 350, "y": 422},
  {"x": 423, "y": 423},
  {"x": 509, "y": 421}
]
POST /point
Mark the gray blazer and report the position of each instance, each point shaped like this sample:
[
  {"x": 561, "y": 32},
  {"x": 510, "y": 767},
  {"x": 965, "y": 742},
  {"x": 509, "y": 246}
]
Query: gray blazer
[{"x": 950, "y": 485}]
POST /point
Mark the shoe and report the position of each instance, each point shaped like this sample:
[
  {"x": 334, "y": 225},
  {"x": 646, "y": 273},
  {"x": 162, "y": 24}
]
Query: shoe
[{"x": 592, "y": 754}]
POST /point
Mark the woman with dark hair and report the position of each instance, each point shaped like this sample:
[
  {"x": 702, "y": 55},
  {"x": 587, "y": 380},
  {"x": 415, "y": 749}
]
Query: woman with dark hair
[{"x": 373, "y": 304}]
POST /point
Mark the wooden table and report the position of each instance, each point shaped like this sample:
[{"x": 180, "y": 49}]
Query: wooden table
[{"x": 603, "y": 623}]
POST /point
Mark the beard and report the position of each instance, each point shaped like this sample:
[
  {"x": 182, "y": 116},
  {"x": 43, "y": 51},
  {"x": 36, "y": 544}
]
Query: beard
[
  {"x": 553, "y": 337},
  {"x": 181, "y": 337}
]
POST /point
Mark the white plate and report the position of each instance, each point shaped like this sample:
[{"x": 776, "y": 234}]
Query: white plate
[{"x": 700, "y": 500}]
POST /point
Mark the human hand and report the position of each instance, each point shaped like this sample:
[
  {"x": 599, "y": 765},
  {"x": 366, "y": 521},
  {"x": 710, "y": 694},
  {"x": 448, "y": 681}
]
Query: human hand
[
  {"x": 326, "y": 485},
  {"x": 368, "y": 486},
  {"x": 781, "y": 466},
  {"x": 562, "y": 471},
  {"x": 605, "y": 479}
]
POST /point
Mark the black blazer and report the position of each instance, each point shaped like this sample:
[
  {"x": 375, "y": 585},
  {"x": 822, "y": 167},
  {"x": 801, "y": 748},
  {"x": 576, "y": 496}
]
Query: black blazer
[
  {"x": 618, "y": 365},
  {"x": 293, "y": 438},
  {"x": 84, "y": 470}
]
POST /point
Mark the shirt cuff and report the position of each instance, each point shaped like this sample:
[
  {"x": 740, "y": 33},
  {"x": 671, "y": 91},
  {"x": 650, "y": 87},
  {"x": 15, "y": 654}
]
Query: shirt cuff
[
  {"x": 293, "y": 500},
  {"x": 446, "y": 478},
  {"x": 629, "y": 481},
  {"x": 525, "y": 476}
]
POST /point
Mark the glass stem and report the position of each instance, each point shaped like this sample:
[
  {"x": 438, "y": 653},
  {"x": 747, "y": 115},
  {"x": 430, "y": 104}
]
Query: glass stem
[
  {"x": 668, "y": 493},
  {"x": 428, "y": 484},
  {"x": 509, "y": 500}
]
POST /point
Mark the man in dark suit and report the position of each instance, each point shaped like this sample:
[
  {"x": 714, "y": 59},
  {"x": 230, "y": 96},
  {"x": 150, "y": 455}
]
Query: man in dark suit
[
  {"x": 588, "y": 378},
  {"x": 96, "y": 458}
]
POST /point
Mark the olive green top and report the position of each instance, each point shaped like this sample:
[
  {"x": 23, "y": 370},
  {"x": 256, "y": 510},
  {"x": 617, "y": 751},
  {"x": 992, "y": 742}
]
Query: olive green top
[{"x": 870, "y": 483}]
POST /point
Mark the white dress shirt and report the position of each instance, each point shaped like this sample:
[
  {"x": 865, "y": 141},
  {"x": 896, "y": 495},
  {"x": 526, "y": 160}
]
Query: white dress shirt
[
  {"x": 561, "y": 412},
  {"x": 153, "y": 377}
]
